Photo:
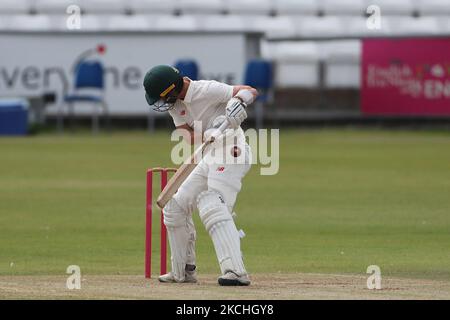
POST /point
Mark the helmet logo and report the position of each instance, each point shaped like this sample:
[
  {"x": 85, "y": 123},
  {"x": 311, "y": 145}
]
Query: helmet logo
[{"x": 165, "y": 92}]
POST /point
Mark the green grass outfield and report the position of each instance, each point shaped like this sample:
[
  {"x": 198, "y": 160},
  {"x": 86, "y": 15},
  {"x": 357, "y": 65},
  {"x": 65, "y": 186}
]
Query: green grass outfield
[{"x": 342, "y": 200}]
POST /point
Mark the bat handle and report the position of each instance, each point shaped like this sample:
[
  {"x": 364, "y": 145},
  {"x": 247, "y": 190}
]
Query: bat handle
[{"x": 219, "y": 130}]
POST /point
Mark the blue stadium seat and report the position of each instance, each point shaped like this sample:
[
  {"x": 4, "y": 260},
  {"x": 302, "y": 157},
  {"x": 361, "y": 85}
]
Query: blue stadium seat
[
  {"x": 188, "y": 68},
  {"x": 259, "y": 75},
  {"x": 88, "y": 75}
]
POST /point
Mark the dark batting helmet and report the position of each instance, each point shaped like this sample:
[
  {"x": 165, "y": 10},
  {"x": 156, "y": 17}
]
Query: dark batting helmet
[{"x": 162, "y": 86}]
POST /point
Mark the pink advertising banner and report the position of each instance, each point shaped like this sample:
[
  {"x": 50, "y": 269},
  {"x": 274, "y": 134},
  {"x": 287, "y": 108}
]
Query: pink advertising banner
[{"x": 406, "y": 76}]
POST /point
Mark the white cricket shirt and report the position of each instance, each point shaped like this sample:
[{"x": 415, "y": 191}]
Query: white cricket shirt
[{"x": 204, "y": 101}]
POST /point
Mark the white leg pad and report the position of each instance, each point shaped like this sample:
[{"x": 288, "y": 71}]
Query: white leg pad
[
  {"x": 179, "y": 237},
  {"x": 220, "y": 225},
  {"x": 191, "y": 244}
]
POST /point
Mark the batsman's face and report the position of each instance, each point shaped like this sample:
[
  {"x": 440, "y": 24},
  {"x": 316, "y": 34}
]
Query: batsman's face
[{"x": 167, "y": 103}]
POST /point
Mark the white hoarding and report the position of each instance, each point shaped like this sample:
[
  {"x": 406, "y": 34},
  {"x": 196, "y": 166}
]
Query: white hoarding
[{"x": 35, "y": 63}]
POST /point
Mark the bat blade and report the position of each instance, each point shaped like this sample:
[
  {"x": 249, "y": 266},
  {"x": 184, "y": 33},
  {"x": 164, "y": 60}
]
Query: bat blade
[
  {"x": 185, "y": 170},
  {"x": 174, "y": 183}
]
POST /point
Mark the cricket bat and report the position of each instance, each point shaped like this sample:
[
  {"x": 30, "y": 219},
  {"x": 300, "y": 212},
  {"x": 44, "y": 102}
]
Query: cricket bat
[{"x": 186, "y": 168}]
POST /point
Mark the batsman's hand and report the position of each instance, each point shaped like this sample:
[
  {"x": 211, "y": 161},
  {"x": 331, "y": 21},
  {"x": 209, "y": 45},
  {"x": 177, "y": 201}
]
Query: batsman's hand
[
  {"x": 217, "y": 122},
  {"x": 235, "y": 112}
]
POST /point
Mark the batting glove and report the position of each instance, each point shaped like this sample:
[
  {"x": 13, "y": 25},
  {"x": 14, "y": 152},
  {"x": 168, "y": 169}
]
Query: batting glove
[
  {"x": 235, "y": 112},
  {"x": 217, "y": 122}
]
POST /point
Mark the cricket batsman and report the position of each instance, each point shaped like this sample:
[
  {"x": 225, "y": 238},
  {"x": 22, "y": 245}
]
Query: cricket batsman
[{"x": 211, "y": 187}]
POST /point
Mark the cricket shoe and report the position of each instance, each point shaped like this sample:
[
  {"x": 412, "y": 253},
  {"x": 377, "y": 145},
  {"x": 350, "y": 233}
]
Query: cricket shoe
[
  {"x": 190, "y": 276},
  {"x": 233, "y": 279}
]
